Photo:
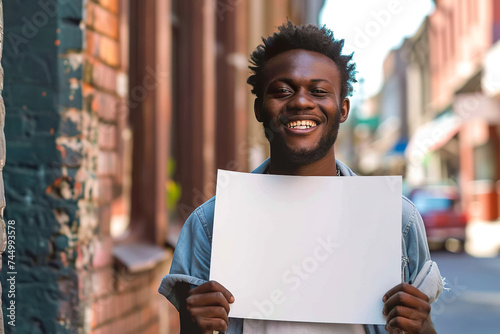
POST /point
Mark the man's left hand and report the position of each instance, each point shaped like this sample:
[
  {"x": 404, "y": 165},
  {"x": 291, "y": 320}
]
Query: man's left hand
[{"x": 407, "y": 310}]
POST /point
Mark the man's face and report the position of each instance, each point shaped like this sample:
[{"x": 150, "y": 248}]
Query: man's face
[{"x": 301, "y": 109}]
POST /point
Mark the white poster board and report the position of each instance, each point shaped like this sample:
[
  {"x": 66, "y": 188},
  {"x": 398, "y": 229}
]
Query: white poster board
[{"x": 309, "y": 249}]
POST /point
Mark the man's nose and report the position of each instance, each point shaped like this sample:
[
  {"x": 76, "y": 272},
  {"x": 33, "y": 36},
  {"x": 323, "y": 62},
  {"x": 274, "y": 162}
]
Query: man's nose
[{"x": 300, "y": 101}]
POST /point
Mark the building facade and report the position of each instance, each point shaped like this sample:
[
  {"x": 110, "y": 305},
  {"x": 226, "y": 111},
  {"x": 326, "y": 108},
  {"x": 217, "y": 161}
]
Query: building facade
[
  {"x": 461, "y": 34},
  {"x": 118, "y": 113},
  {"x": 418, "y": 92},
  {"x": 441, "y": 88}
]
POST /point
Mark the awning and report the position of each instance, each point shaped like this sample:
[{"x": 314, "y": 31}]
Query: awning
[
  {"x": 477, "y": 106},
  {"x": 467, "y": 107},
  {"x": 432, "y": 135}
]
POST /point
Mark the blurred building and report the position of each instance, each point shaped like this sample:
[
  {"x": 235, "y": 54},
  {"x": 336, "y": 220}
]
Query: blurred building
[
  {"x": 358, "y": 141},
  {"x": 114, "y": 110},
  {"x": 418, "y": 92},
  {"x": 457, "y": 141},
  {"x": 393, "y": 105},
  {"x": 386, "y": 117},
  {"x": 439, "y": 105}
]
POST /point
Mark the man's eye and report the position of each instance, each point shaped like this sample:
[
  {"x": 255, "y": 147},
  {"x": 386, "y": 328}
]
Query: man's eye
[
  {"x": 319, "y": 91},
  {"x": 282, "y": 91}
]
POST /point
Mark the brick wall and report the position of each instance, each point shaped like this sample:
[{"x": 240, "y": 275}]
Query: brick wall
[
  {"x": 128, "y": 303},
  {"x": 65, "y": 92},
  {"x": 102, "y": 69},
  {"x": 50, "y": 150},
  {"x": 120, "y": 302},
  {"x": 460, "y": 33}
]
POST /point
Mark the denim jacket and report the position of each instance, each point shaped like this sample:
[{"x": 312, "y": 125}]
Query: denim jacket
[{"x": 191, "y": 262}]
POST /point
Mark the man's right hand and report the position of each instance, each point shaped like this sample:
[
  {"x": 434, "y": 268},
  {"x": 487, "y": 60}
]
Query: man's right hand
[{"x": 208, "y": 307}]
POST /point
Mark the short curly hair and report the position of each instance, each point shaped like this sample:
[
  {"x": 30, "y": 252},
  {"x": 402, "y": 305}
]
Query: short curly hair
[{"x": 307, "y": 37}]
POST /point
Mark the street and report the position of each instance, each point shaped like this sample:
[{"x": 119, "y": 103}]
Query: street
[{"x": 472, "y": 305}]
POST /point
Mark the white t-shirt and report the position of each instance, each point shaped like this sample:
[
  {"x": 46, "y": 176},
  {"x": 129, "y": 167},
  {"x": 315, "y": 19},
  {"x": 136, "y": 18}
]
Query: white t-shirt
[{"x": 251, "y": 326}]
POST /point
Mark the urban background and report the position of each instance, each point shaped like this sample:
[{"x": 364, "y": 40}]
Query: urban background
[{"x": 119, "y": 112}]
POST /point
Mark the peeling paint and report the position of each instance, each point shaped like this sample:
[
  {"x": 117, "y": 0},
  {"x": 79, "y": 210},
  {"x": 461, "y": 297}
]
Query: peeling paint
[
  {"x": 75, "y": 60},
  {"x": 74, "y": 83},
  {"x": 73, "y": 143},
  {"x": 61, "y": 188},
  {"x": 61, "y": 149},
  {"x": 63, "y": 219},
  {"x": 61, "y": 141}
]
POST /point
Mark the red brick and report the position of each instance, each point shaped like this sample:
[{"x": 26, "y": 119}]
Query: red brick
[
  {"x": 105, "y": 22},
  {"x": 102, "y": 311},
  {"x": 143, "y": 295},
  {"x": 109, "y": 51},
  {"x": 92, "y": 42},
  {"x": 104, "y": 77},
  {"x": 99, "y": 330},
  {"x": 102, "y": 282},
  {"x": 106, "y": 136},
  {"x": 112, "y": 5},
  {"x": 127, "y": 281},
  {"x": 154, "y": 328},
  {"x": 89, "y": 14},
  {"x": 103, "y": 252},
  {"x": 103, "y": 47},
  {"x": 134, "y": 321},
  {"x": 124, "y": 280},
  {"x": 95, "y": 316},
  {"x": 106, "y": 163},
  {"x": 105, "y": 189},
  {"x": 117, "y": 304},
  {"x": 125, "y": 303},
  {"x": 155, "y": 283},
  {"x": 106, "y": 105},
  {"x": 122, "y": 324},
  {"x": 106, "y": 329},
  {"x": 154, "y": 304},
  {"x": 122, "y": 110},
  {"x": 84, "y": 284},
  {"x": 124, "y": 300},
  {"x": 104, "y": 215},
  {"x": 173, "y": 319},
  {"x": 114, "y": 328},
  {"x": 144, "y": 316},
  {"x": 113, "y": 314}
]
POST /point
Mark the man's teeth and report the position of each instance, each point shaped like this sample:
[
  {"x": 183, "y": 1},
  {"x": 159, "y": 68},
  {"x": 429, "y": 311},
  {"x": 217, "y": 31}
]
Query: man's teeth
[{"x": 301, "y": 125}]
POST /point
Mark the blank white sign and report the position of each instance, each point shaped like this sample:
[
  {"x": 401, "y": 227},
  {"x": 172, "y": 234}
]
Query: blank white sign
[{"x": 309, "y": 249}]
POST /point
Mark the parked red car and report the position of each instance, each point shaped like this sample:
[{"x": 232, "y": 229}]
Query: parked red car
[{"x": 444, "y": 220}]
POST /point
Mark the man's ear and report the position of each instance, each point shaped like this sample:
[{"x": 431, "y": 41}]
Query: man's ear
[
  {"x": 344, "y": 110},
  {"x": 257, "y": 109}
]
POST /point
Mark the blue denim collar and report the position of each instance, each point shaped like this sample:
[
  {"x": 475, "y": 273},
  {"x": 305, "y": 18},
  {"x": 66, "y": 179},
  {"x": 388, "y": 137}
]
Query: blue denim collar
[{"x": 344, "y": 170}]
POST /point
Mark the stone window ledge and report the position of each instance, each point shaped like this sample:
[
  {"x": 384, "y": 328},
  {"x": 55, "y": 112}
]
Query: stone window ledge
[{"x": 139, "y": 257}]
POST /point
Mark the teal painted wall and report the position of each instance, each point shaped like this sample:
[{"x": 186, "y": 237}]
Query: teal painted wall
[{"x": 44, "y": 131}]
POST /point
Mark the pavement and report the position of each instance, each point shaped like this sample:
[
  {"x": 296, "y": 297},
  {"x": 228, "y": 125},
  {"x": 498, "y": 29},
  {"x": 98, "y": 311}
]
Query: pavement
[{"x": 472, "y": 303}]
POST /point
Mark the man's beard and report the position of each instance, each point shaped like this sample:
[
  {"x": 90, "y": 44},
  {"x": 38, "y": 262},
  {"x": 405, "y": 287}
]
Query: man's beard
[{"x": 303, "y": 157}]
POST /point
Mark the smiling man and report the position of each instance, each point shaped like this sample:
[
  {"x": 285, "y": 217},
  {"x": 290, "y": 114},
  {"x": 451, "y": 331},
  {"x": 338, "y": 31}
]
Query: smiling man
[
  {"x": 299, "y": 101},
  {"x": 302, "y": 82}
]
